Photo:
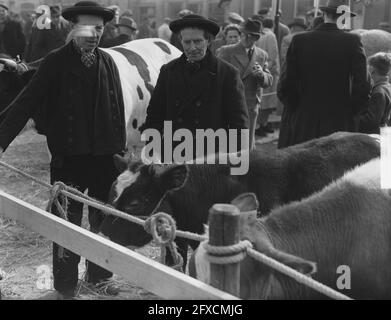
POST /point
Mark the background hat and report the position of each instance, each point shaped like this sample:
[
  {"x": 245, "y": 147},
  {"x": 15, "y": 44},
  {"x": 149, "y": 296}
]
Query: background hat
[
  {"x": 89, "y": 8},
  {"x": 3, "y": 5},
  {"x": 194, "y": 20},
  {"x": 126, "y": 21},
  {"x": 251, "y": 26},
  {"x": 264, "y": 11},
  {"x": 332, "y": 6},
  {"x": 234, "y": 17},
  {"x": 298, "y": 22}
]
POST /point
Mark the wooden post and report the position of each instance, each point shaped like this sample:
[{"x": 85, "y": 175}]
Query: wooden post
[{"x": 224, "y": 231}]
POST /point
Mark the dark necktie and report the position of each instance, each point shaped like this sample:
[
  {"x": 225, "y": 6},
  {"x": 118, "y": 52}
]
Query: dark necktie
[{"x": 250, "y": 54}]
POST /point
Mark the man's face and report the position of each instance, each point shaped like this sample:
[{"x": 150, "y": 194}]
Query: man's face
[
  {"x": 194, "y": 43},
  {"x": 89, "y": 39},
  {"x": 56, "y": 19},
  {"x": 3, "y": 13},
  {"x": 232, "y": 37},
  {"x": 248, "y": 40}
]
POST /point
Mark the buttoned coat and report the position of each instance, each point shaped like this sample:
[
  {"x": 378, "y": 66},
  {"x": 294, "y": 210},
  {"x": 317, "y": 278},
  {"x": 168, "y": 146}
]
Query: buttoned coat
[
  {"x": 324, "y": 84},
  {"x": 54, "y": 96},
  {"x": 236, "y": 55},
  {"x": 213, "y": 100},
  {"x": 12, "y": 38}
]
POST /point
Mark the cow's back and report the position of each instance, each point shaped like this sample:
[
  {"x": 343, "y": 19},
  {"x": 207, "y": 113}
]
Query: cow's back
[
  {"x": 139, "y": 64},
  {"x": 298, "y": 171}
]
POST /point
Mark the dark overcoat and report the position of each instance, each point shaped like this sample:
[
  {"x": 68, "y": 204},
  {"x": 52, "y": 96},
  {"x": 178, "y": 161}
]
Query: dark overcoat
[
  {"x": 324, "y": 84},
  {"x": 213, "y": 98},
  {"x": 55, "y": 96},
  {"x": 13, "y": 41}
]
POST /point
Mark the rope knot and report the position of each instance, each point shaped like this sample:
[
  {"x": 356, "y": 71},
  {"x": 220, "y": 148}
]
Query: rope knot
[{"x": 162, "y": 227}]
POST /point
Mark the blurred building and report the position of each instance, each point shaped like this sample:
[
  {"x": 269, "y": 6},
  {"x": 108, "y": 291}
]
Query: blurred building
[{"x": 370, "y": 12}]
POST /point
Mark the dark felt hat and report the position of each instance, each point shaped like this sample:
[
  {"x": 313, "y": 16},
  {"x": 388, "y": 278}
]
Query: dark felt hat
[
  {"x": 252, "y": 26},
  {"x": 194, "y": 20},
  {"x": 126, "y": 21},
  {"x": 333, "y": 5},
  {"x": 88, "y": 8}
]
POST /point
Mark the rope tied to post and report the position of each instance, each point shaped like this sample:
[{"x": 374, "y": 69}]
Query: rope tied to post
[
  {"x": 162, "y": 227},
  {"x": 227, "y": 254},
  {"x": 60, "y": 202}
]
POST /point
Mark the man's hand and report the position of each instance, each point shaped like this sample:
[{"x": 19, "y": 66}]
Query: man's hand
[{"x": 257, "y": 70}]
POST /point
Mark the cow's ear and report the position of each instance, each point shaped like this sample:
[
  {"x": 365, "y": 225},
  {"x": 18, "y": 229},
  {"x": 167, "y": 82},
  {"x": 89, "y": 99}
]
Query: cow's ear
[
  {"x": 246, "y": 202},
  {"x": 174, "y": 177},
  {"x": 120, "y": 163},
  {"x": 301, "y": 265}
]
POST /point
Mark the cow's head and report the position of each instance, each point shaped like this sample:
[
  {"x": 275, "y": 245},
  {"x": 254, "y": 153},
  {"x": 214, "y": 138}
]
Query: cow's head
[
  {"x": 137, "y": 191},
  {"x": 258, "y": 281}
]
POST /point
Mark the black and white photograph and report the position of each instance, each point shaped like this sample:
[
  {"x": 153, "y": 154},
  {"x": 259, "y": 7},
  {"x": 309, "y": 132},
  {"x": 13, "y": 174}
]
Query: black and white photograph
[{"x": 182, "y": 153}]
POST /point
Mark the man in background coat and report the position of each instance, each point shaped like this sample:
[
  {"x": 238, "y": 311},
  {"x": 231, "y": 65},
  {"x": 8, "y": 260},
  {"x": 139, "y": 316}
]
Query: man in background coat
[
  {"x": 325, "y": 82},
  {"x": 251, "y": 62},
  {"x": 197, "y": 90},
  {"x": 12, "y": 39}
]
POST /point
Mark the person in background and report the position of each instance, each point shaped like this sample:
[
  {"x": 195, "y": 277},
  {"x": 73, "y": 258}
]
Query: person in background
[
  {"x": 42, "y": 41},
  {"x": 164, "y": 31},
  {"x": 231, "y": 36},
  {"x": 316, "y": 23},
  {"x": 379, "y": 112},
  {"x": 127, "y": 29},
  {"x": 311, "y": 16},
  {"x": 145, "y": 30},
  {"x": 324, "y": 83},
  {"x": 28, "y": 26},
  {"x": 175, "y": 41},
  {"x": 111, "y": 30},
  {"x": 283, "y": 30},
  {"x": 268, "y": 43},
  {"x": 298, "y": 25},
  {"x": 251, "y": 61},
  {"x": 12, "y": 39}
]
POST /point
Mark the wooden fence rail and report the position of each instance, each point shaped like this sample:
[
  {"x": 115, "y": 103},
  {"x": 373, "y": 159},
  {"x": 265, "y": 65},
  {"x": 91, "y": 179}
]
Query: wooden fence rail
[{"x": 139, "y": 270}]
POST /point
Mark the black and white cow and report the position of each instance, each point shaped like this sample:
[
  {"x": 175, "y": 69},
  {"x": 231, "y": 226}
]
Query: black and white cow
[
  {"x": 138, "y": 63},
  {"x": 190, "y": 190},
  {"x": 342, "y": 231}
]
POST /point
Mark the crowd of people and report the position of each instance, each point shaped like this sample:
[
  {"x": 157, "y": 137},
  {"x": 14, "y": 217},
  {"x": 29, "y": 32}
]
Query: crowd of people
[{"x": 228, "y": 77}]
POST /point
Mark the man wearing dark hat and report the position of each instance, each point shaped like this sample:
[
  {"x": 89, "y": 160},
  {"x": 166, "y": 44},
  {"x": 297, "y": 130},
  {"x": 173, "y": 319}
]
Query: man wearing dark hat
[
  {"x": 197, "y": 90},
  {"x": 251, "y": 62},
  {"x": 127, "y": 30},
  {"x": 111, "y": 30},
  {"x": 42, "y": 41},
  {"x": 325, "y": 82},
  {"x": 12, "y": 39},
  {"x": 76, "y": 94}
]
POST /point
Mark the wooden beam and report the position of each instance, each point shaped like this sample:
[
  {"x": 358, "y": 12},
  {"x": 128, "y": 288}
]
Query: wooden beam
[{"x": 141, "y": 271}]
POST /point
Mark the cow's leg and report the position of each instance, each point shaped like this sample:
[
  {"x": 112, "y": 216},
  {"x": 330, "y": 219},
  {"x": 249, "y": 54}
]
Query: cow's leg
[
  {"x": 65, "y": 262},
  {"x": 102, "y": 175}
]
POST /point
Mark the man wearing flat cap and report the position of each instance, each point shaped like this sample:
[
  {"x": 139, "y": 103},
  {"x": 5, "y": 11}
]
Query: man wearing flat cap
[
  {"x": 197, "y": 90},
  {"x": 325, "y": 83},
  {"x": 77, "y": 99},
  {"x": 251, "y": 61},
  {"x": 127, "y": 31}
]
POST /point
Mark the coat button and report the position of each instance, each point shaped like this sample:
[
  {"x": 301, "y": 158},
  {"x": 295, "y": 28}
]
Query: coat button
[
  {"x": 111, "y": 92},
  {"x": 180, "y": 120},
  {"x": 197, "y": 122},
  {"x": 177, "y": 103},
  {"x": 198, "y": 104}
]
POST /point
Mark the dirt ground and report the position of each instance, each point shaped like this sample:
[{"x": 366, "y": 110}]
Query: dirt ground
[{"x": 24, "y": 253}]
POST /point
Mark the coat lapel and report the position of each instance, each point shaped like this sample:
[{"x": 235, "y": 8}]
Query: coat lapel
[{"x": 250, "y": 65}]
